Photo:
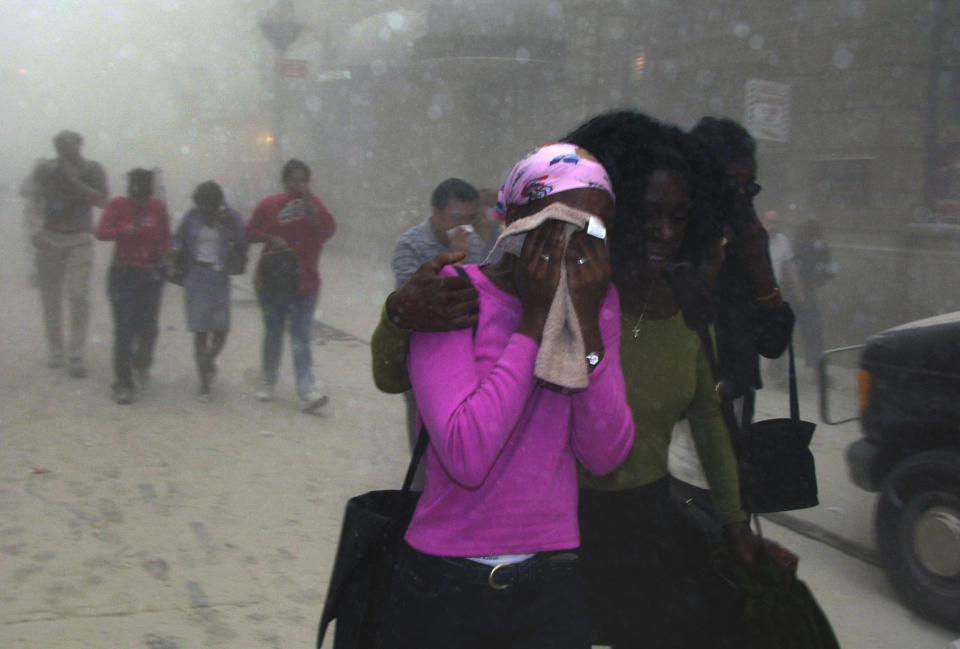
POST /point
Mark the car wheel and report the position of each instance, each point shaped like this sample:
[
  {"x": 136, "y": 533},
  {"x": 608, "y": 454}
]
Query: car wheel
[{"x": 918, "y": 534}]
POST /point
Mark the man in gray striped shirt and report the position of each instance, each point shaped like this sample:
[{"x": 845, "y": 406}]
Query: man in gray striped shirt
[{"x": 450, "y": 228}]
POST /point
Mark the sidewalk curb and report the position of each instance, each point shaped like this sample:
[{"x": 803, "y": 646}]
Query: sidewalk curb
[{"x": 817, "y": 533}]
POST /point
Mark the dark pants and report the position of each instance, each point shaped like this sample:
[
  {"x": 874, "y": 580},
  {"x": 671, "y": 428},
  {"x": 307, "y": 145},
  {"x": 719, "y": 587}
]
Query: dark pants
[
  {"x": 135, "y": 299},
  {"x": 443, "y": 603},
  {"x": 649, "y": 575}
]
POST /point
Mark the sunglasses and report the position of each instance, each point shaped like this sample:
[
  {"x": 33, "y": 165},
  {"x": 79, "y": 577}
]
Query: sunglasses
[{"x": 748, "y": 189}]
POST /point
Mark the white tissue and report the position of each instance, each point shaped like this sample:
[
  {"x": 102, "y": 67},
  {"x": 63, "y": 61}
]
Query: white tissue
[{"x": 595, "y": 228}]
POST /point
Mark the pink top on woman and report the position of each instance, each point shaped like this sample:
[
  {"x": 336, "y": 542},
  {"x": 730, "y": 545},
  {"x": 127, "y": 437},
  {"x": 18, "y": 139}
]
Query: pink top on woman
[{"x": 501, "y": 466}]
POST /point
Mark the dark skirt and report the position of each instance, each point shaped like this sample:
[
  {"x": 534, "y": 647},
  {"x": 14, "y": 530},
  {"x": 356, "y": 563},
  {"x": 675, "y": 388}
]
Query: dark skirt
[{"x": 649, "y": 572}]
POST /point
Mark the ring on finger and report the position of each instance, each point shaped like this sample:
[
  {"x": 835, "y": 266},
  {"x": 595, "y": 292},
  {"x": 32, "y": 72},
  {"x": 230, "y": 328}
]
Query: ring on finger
[
  {"x": 582, "y": 260},
  {"x": 545, "y": 257}
]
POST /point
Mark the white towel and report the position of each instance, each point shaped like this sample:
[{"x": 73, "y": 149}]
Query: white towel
[{"x": 561, "y": 359}]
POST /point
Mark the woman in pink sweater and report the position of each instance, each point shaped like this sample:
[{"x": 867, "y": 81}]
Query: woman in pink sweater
[{"x": 491, "y": 557}]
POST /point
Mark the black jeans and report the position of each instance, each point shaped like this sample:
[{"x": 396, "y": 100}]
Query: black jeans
[
  {"x": 135, "y": 299},
  {"x": 443, "y": 603}
]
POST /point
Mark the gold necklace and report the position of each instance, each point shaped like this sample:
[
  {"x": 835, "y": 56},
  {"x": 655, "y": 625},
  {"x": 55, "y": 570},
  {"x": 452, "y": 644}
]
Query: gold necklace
[{"x": 635, "y": 329}]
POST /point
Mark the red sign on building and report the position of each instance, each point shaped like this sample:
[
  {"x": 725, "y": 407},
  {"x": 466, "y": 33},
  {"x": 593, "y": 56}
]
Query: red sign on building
[{"x": 293, "y": 68}]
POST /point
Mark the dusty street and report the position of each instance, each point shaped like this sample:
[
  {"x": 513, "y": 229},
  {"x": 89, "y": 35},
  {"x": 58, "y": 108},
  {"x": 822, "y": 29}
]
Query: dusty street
[{"x": 171, "y": 524}]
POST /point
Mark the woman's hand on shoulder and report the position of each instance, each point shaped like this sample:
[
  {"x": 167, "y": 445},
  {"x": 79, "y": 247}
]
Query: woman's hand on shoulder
[{"x": 433, "y": 302}]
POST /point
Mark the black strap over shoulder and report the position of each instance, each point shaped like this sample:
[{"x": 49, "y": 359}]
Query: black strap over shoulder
[{"x": 422, "y": 440}]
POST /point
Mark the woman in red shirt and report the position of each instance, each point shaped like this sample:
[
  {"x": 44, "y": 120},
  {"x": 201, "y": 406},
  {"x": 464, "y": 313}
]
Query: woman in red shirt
[{"x": 140, "y": 226}]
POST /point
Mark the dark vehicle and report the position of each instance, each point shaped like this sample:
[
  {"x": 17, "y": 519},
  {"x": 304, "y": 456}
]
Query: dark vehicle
[{"x": 908, "y": 389}]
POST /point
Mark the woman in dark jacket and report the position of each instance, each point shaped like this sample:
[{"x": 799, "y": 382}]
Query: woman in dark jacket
[{"x": 211, "y": 234}]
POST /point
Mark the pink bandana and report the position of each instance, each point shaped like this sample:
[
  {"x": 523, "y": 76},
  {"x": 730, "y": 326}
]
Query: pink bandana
[{"x": 551, "y": 169}]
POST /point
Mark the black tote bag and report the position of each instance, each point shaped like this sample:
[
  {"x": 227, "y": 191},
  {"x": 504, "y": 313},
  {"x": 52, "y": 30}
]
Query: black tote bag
[
  {"x": 780, "y": 471},
  {"x": 373, "y": 527},
  {"x": 777, "y": 470}
]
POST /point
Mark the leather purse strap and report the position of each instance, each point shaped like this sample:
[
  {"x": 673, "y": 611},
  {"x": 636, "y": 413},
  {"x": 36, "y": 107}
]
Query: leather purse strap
[
  {"x": 422, "y": 440},
  {"x": 794, "y": 398},
  {"x": 725, "y": 405}
]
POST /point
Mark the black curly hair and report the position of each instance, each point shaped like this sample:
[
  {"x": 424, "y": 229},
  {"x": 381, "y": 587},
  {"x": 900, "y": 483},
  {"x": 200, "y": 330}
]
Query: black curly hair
[
  {"x": 632, "y": 145},
  {"x": 726, "y": 140}
]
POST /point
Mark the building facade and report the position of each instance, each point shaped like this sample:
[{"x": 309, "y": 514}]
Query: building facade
[{"x": 855, "y": 104}]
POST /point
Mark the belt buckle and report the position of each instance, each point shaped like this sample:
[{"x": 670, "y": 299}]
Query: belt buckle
[{"x": 493, "y": 572}]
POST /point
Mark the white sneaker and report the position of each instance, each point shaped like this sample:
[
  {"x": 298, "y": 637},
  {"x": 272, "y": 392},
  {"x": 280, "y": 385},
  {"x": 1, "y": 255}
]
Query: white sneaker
[
  {"x": 265, "y": 392},
  {"x": 313, "y": 401}
]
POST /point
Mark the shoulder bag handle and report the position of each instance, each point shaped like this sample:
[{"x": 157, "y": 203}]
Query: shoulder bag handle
[
  {"x": 794, "y": 399},
  {"x": 423, "y": 439}
]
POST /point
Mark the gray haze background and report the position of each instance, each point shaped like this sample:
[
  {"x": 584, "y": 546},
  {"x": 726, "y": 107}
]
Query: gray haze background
[
  {"x": 165, "y": 84},
  {"x": 386, "y": 99}
]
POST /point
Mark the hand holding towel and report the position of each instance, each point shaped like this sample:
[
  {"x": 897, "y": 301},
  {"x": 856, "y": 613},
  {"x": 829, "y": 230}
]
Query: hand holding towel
[{"x": 561, "y": 359}]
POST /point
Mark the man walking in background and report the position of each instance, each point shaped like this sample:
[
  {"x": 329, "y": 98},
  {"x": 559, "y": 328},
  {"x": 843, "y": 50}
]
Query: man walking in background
[
  {"x": 451, "y": 227},
  {"x": 63, "y": 192},
  {"x": 455, "y": 210}
]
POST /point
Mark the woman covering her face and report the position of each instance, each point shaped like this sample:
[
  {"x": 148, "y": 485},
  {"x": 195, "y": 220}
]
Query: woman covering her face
[
  {"x": 649, "y": 575},
  {"x": 490, "y": 557}
]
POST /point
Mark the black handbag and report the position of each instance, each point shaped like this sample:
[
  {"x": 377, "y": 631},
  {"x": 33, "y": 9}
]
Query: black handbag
[
  {"x": 781, "y": 474},
  {"x": 777, "y": 469},
  {"x": 373, "y": 527},
  {"x": 277, "y": 272},
  {"x": 779, "y": 611}
]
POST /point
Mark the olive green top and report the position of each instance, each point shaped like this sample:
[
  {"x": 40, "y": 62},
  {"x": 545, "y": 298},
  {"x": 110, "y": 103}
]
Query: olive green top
[
  {"x": 667, "y": 376},
  {"x": 388, "y": 350}
]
